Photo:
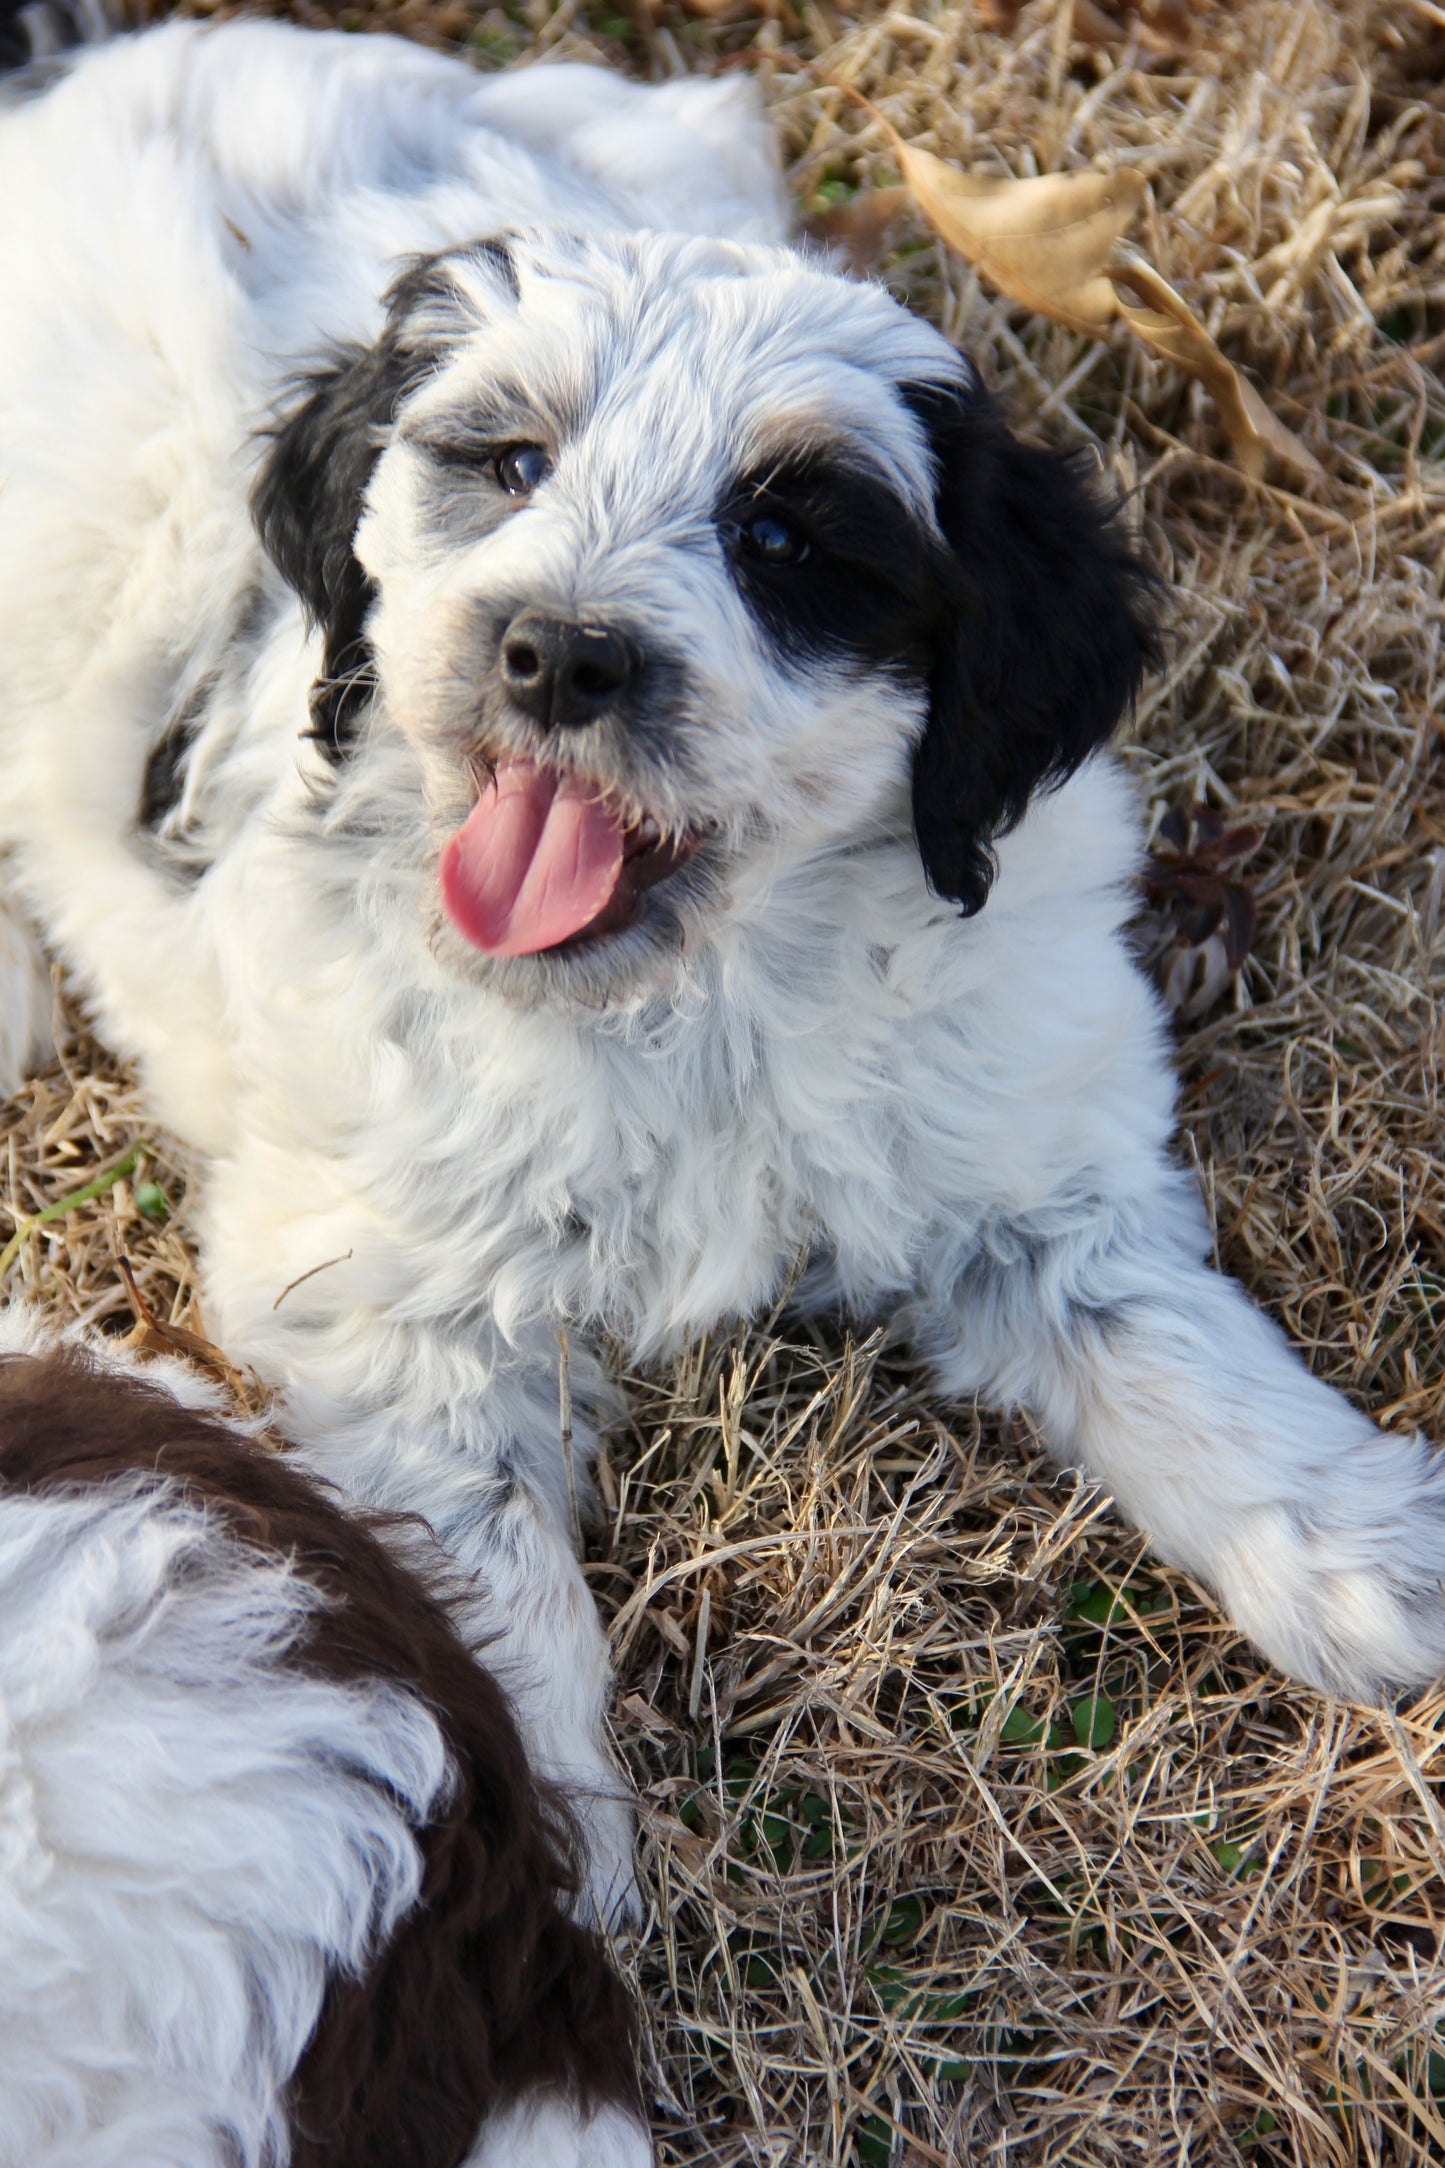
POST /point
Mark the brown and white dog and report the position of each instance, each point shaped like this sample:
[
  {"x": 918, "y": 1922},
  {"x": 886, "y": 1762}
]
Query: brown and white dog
[{"x": 276, "y": 1881}]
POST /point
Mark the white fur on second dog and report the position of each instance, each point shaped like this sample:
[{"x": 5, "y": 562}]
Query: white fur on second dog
[
  {"x": 275, "y": 1882},
  {"x": 191, "y": 1831}
]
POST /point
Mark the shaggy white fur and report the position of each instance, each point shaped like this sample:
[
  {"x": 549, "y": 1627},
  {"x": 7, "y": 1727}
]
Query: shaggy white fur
[{"x": 796, "y": 1043}]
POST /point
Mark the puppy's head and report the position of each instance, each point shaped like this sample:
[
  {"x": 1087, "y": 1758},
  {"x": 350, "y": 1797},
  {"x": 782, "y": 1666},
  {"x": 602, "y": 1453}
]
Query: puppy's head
[{"x": 681, "y": 564}]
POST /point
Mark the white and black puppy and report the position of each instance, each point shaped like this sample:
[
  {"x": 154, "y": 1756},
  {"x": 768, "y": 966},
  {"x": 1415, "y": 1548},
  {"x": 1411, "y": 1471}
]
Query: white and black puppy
[
  {"x": 594, "y": 793},
  {"x": 276, "y": 1884}
]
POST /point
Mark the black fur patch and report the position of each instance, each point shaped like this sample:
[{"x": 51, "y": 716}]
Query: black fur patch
[
  {"x": 308, "y": 498},
  {"x": 14, "y": 39},
  {"x": 38, "y": 32},
  {"x": 1044, "y": 634},
  {"x": 865, "y": 589},
  {"x": 165, "y": 773},
  {"x": 496, "y": 252}
]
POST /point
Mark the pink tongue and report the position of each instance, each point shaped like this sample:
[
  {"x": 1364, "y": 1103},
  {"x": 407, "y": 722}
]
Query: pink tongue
[{"x": 535, "y": 863}]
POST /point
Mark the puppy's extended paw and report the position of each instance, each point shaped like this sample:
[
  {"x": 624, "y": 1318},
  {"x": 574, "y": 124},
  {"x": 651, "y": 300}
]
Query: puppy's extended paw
[
  {"x": 544, "y": 2132},
  {"x": 609, "y": 1898},
  {"x": 26, "y": 1001},
  {"x": 1344, "y": 1586}
]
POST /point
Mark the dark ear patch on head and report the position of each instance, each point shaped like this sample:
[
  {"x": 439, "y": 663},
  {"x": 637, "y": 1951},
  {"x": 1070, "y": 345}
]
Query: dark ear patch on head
[
  {"x": 1044, "y": 636},
  {"x": 308, "y": 497}
]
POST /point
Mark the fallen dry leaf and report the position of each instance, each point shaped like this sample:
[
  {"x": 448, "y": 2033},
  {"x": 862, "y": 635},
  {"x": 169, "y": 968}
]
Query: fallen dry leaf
[
  {"x": 1000, "y": 15},
  {"x": 1210, "y": 915},
  {"x": 1167, "y": 325},
  {"x": 1055, "y": 244},
  {"x": 1165, "y": 27},
  {"x": 640, "y": 1711},
  {"x": 1167, "y": 24},
  {"x": 1095, "y": 25},
  {"x": 859, "y": 226},
  {"x": 1042, "y": 242},
  {"x": 153, "y": 1335}
]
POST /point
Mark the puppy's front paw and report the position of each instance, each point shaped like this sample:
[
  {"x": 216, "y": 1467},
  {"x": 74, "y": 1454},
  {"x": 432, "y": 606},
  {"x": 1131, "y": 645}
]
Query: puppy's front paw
[
  {"x": 1344, "y": 1586},
  {"x": 609, "y": 1898},
  {"x": 26, "y": 1003},
  {"x": 602, "y": 1808}
]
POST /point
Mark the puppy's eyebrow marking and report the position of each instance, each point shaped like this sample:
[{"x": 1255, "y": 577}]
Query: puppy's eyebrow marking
[{"x": 506, "y": 413}]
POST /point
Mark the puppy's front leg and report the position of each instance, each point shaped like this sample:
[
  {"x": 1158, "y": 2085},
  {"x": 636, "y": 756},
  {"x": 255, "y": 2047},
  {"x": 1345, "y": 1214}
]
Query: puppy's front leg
[
  {"x": 1323, "y": 1537},
  {"x": 26, "y": 1003},
  {"x": 525, "y": 1605},
  {"x": 535, "y": 1624}
]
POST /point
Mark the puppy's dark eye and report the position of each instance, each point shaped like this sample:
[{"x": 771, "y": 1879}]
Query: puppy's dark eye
[
  {"x": 521, "y": 469},
  {"x": 770, "y": 539}
]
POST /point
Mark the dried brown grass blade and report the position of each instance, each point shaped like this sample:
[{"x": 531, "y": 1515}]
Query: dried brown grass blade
[
  {"x": 1043, "y": 242},
  {"x": 1165, "y": 322},
  {"x": 152, "y": 1335}
]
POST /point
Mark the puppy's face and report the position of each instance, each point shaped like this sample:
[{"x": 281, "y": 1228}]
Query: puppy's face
[{"x": 680, "y": 563}]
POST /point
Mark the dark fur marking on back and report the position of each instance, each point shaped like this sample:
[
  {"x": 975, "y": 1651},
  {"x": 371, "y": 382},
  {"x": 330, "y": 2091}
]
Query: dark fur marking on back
[
  {"x": 165, "y": 771},
  {"x": 496, "y": 252},
  {"x": 488, "y": 1989}
]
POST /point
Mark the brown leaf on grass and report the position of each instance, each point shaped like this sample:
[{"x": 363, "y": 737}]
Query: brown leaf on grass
[
  {"x": 1092, "y": 24},
  {"x": 1210, "y": 918},
  {"x": 858, "y": 227},
  {"x": 1000, "y": 15},
  {"x": 722, "y": 10},
  {"x": 1042, "y": 242},
  {"x": 1198, "y": 837},
  {"x": 153, "y": 1335},
  {"x": 1169, "y": 326},
  {"x": 1192, "y": 976},
  {"x": 1160, "y": 26},
  {"x": 1167, "y": 24},
  {"x": 639, "y": 1710},
  {"x": 1055, "y": 244}
]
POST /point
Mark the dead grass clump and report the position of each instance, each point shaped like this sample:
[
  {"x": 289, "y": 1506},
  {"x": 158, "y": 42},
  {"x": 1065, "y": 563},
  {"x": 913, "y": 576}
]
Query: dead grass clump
[{"x": 972, "y": 1834}]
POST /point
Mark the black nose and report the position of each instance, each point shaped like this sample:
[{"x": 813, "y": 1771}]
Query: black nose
[{"x": 563, "y": 675}]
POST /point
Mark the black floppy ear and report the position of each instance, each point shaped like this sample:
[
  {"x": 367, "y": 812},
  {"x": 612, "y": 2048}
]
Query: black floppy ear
[
  {"x": 307, "y": 500},
  {"x": 1044, "y": 634}
]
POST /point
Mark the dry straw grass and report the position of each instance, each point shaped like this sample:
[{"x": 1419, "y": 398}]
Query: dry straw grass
[{"x": 912, "y": 1902}]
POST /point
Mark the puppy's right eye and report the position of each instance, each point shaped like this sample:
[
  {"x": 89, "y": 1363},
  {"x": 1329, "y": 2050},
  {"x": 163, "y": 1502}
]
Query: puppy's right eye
[
  {"x": 770, "y": 539},
  {"x": 521, "y": 468}
]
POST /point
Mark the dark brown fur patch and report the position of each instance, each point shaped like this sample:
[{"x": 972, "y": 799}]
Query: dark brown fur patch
[{"x": 488, "y": 1989}]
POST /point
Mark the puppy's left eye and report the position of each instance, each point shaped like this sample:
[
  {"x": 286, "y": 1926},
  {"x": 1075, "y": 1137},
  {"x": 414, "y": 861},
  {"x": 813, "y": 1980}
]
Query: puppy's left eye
[
  {"x": 769, "y": 538},
  {"x": 522, "y": 468}
]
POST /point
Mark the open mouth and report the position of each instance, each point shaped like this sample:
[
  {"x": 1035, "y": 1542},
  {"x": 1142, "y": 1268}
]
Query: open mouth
[{"x": 546, "y": 859}]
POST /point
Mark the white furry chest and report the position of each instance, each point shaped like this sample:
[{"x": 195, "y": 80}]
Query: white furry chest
[
  {"x": 490, "y": 1170},
  {"x": 851, "y": 1080},
  {"x": 638, "y": 1189}
]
